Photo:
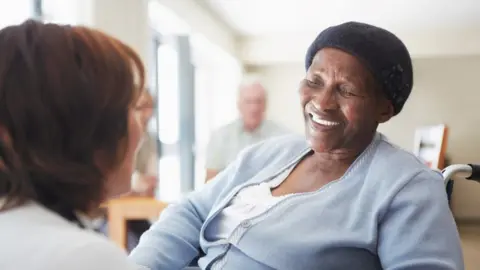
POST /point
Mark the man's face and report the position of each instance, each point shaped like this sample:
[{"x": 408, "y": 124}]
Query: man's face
[{"x": 251, "y": 105}]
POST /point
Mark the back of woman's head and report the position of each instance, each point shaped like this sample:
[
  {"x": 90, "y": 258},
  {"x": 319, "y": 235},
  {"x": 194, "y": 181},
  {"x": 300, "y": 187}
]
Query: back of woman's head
[{"x": 65, "y": 96}]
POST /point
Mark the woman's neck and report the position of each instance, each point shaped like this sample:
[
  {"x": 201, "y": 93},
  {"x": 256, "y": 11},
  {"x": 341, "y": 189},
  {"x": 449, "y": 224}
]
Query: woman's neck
[{"x": 337, "y": 162}]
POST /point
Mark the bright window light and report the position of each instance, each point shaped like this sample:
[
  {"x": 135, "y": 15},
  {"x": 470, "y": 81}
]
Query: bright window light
[{"x": 15, "y": 12}]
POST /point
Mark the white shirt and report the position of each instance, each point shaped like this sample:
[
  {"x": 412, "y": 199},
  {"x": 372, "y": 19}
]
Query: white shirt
[
  {"x": 35, "y": 238},
  {"x": 250, "y": 202}
]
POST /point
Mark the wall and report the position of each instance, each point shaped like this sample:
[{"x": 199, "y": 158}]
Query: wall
[
  {"x": 273, "y": 49},
  {"x": 111, "y": 16},
  {"x": 446, "y": 90},
  {"x": 201, "y": 20},
  {"x": 128, "y": 20}
]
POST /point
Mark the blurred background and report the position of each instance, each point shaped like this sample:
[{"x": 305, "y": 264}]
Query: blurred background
[{"x": 197, "y": 53}]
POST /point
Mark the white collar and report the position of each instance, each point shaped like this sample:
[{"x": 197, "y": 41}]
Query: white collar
[{"x": 89, "y": 223}]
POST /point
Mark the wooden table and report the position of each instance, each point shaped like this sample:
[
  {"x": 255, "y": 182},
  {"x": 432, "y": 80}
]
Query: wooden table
[{"x": 130, "y": 208}]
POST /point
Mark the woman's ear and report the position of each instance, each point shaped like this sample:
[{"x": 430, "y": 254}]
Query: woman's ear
[{"x": 386, "y": 111}]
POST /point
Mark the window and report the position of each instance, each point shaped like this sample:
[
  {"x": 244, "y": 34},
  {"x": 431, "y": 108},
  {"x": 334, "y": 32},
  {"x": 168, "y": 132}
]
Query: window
[
  {"x": 59, "y": 11},
  {"x": 168, "y": 102},
  {"x": 215, "y": 96},
  {"x": 174, "y": 89},
  {"x": 168, "y": 119},
  {"x": 192, "y": 99},
  {"x": 174, "y": 116},
  {"x": 202, "y": 123}
]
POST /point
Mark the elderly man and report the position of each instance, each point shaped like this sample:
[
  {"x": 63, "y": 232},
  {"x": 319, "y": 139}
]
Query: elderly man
[{"x": 226, "y": 142}]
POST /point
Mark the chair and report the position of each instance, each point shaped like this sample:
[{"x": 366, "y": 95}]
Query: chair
[
  {"x": 129, "y": 208},
  {"x": 471, "y": 170}
]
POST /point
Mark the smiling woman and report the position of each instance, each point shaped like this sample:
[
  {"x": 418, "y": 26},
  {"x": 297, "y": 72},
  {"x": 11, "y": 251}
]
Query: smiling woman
[
  {"x": 342, "y": 197},
  {"x": 340, "y": 97}
]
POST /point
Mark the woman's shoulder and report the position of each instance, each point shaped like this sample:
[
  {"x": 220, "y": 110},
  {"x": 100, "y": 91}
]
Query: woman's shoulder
[
  {"x": 390, "y": 153},
  {"x": 85, "y": 249},
  {"x": 399, "y": 166},
  {"x": 52, "y": 242},
  {"x": 90, "y": 251}
]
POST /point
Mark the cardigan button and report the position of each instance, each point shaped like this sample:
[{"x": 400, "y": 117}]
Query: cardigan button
[{"x": 246, "y": 224}]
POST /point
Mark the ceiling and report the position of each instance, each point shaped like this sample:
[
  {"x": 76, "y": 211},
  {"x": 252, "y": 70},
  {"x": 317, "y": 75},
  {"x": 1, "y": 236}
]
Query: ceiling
[
  {"x": 264, "y": 17},
  {"x": 255, "y": 20}
]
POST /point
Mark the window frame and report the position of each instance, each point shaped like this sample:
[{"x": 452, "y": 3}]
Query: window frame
[{"x": 184, "y": 148}]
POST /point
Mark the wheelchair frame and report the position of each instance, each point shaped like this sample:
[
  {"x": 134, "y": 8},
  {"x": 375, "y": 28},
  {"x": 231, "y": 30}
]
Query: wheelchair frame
[{"x": 472, "y": 170}]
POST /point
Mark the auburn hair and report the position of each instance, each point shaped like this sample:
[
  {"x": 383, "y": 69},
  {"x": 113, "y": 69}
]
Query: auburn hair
[{"x": 65, "y": 95}]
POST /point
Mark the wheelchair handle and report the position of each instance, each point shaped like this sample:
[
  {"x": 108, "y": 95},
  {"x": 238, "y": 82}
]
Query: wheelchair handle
[
  {"x": 475, "y": 174},
  {"x": 473, "y": 170}
]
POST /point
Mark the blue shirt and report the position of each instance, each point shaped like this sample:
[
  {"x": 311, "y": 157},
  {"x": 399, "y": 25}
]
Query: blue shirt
[{"x": 389, "y": 211}]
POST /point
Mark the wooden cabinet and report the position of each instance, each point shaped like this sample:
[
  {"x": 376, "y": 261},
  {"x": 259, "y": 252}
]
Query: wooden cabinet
[{"x": 130, "y": 208}]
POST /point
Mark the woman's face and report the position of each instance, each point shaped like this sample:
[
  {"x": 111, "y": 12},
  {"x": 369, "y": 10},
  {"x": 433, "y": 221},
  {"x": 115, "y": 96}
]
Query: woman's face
[
  {"x": 342, "y": 106},
  {"x": 119, "y": 181},
  {"x": 145, "y": 106}
]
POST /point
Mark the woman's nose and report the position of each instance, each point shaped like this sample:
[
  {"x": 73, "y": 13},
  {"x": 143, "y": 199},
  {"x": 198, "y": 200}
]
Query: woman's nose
[{"x": 325, "y": 100}]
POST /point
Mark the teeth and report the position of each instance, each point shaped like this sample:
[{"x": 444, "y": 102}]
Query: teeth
[{"x": 320, "y": 121}]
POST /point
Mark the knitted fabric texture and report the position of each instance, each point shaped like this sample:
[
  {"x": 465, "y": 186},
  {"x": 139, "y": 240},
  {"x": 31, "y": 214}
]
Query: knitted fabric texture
[{"x": 379, "y": 50}]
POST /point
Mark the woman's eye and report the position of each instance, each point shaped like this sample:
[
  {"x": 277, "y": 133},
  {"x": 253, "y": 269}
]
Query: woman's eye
[
  {"x": 346, "y": 91},
  {"x": 312, "y": 84},
  {"x": 144, "y": 106}
]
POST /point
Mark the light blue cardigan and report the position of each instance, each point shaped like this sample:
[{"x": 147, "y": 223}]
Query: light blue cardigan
[{"x": 388, "y": 211}]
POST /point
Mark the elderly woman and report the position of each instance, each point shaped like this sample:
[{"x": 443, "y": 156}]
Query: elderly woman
[
  {"x": 341, "y": 198},
  {"x": 70, "y": 124}
]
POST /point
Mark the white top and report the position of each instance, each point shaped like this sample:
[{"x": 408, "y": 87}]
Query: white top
[
  {"x": 35, "y": 238},
  {"x": 250, "y": 202}
]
